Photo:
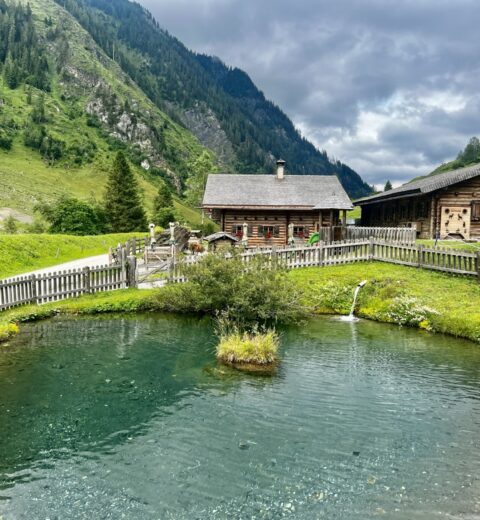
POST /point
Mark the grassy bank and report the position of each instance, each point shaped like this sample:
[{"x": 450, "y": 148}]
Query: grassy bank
[
  {"x": 394, "y": 294},
  {"x": 22, "y": 253}
]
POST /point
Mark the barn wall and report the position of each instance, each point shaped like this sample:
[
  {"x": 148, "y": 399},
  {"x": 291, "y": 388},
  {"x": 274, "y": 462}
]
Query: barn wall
[{"x": 402, "y": 212}]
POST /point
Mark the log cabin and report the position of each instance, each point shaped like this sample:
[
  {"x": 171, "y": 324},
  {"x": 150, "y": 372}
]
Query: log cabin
[
  {"x": 446, "y": 205},
  {"x": 273, "y": 210}
]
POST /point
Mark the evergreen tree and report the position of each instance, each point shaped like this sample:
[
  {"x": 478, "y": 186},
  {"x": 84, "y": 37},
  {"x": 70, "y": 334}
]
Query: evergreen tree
[
  {"x": 163, "y": 210},
  {"x": 388, "y": 186},
  {"x": 163, "y": 199},
  {"x": 123, "y": 208}
]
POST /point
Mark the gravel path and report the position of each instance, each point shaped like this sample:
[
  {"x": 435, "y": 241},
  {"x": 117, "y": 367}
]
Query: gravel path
[{"x": 91, "y": 261}]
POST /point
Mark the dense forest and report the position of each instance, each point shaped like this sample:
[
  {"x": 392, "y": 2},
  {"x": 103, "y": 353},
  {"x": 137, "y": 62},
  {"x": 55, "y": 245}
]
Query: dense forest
[{"x": 176, "y": 80}]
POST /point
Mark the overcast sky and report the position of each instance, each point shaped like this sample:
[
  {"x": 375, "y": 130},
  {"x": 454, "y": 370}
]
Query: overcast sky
[{"x": 392, "y": 88}]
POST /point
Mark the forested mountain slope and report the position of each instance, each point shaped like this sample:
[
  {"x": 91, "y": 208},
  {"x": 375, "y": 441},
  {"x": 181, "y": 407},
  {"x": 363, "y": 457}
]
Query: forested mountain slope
[
  {"x": 220, "y": 105},
  {"x": 66, "y": 107}
]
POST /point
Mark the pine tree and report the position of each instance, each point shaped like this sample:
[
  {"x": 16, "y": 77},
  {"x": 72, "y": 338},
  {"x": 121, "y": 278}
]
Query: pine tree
[
  {"x": 163, "y": 199},
  {"x": 123, "y": 207},
  {"x": 163, "y": 210},
  {"x": 388, "y": 186}
]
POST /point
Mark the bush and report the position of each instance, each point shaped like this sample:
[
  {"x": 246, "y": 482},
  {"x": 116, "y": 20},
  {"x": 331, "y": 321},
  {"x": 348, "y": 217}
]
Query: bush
[
  {"x": 5, "y": 140},
  {"x": 258, "y": 297},
  {"x": 10, "y": 225},
  {"x": 7, "y": 331},
  {"x": 407, "y": 310},
  {"x": 73, "y": 217}
]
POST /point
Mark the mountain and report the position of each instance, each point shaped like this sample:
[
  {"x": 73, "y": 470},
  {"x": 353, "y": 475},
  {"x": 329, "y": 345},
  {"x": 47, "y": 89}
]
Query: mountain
[
  {"x": 469, "y": 155},
  {"x": 220, "y": 105},
  {"x": 81, "y": 79}
]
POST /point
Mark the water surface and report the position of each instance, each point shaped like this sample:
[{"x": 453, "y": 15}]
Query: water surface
[{"x": 130, "y": 417}]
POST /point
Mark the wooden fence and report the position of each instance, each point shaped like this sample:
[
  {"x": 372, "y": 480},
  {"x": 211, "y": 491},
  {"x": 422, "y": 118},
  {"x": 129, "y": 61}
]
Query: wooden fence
[
  {"x": 55, "y": 286},
  {"x": 68, "y": 284},
  {"x": 403, "y": 235},
  {"x": 351, "y": 251}
]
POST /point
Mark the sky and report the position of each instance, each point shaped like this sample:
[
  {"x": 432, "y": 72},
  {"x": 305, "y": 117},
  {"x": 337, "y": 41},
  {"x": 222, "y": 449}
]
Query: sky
[{"x": 391, "y": 88}]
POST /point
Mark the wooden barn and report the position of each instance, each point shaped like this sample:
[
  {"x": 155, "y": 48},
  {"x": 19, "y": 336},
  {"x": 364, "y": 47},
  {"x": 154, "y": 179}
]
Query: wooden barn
[
  {"x": 447, "y": 204},
  {"x": 272, "y": 207}
]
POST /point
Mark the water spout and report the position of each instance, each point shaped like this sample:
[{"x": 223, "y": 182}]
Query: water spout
[{"x": 351, "y": 316}]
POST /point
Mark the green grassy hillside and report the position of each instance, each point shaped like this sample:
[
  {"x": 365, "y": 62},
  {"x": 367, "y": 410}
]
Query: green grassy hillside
[
  {"x": 92, "y": 110},
  {"x": 23, "y": 253}
]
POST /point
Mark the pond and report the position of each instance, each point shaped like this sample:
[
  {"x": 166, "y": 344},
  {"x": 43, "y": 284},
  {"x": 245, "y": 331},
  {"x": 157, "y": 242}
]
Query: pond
[{"x": 130, "y": 417}]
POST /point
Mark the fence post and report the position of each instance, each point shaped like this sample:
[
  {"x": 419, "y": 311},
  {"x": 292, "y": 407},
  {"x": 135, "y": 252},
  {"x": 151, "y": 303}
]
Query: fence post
[
  {"x": 320, "y": 253},
  {"x": 110, "y": 255},
  {"x": 86, "y": 280},
  {"x": 420, "y": 249},
  {"x": 273, "y": 256},
  {"x": 131, "y": 271},
  {"x": 478, "y": 265},
  {"x": 134, "y": 246},
  {"x": 371, "y": 247},
  {"x": 33, "y": 289}
]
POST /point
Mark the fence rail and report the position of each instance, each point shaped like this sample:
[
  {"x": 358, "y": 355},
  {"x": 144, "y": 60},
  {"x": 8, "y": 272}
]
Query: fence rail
[
  {"x": 351, "y": 251},
  {"x": 55, "y": 286},
  {"x": 406, "y": 236}
]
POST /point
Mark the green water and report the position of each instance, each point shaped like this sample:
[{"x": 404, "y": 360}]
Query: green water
[{"x": 128, "y": 417}]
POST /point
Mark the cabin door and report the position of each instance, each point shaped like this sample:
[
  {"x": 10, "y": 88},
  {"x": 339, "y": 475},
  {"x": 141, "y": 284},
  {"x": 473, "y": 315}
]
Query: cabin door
[{"x": 455, "y": 220}]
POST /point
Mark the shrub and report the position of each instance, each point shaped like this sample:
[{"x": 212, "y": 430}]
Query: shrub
[
  {"x": 407, "y": 310},
  {"x": 5, "y": 140},
  {"x": 10, "y": 225},
  {"x": 73, "y": 217},
  {"x": 7, "y": 331},
  {"x": 247, "y": 298}
]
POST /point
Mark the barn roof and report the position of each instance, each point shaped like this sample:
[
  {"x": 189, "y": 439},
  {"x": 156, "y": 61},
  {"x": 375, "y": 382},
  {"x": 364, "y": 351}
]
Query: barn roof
[
  {"x": 221, "y": 235},
  {"x": 425, "y": 185},
  {"x": 269, "y": 192}
]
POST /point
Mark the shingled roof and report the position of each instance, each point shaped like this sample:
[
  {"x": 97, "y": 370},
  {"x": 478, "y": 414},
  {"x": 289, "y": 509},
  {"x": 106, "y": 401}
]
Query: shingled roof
[
  {"x": 269, "y": 192},
  {"x": 426, "y": 185}
]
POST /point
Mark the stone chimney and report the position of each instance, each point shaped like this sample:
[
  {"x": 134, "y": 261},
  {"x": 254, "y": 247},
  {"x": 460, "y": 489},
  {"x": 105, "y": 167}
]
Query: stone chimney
[{"x": 280, "y": 169}]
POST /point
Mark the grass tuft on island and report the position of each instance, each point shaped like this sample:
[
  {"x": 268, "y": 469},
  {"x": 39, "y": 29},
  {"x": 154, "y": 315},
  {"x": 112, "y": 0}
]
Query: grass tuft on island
[{"x": 249, "y": 351}]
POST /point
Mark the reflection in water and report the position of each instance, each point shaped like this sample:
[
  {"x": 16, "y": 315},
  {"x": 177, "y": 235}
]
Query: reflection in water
[{"x": 131, "y": 416}]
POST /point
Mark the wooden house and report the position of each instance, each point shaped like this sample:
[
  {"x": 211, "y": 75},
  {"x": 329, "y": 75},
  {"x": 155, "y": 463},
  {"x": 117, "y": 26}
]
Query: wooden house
[
  {"x": 447, "y": 204},
  {"x": 273, "y": 207}
]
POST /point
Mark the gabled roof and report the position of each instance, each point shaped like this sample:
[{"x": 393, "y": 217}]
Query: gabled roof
[
  {"x": 219, "y": 235},
  {"x": 426, "y": 185},
  {"x": 269, "y": 192}
]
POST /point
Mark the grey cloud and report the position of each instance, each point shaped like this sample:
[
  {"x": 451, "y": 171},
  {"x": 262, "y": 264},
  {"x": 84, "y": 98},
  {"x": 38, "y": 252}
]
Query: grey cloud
[{"x": 329, "y": 64}]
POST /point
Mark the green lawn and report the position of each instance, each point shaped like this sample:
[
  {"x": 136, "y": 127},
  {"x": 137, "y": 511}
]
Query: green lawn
[
  {"x": 393, "y": 291},
  {"x": 451, "y": 244},
  {"x": 23, "y": 253}
]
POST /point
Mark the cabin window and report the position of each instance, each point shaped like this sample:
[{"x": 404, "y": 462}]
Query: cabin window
[
  {"x": 421, "y": 210},
  {"x": 476, "y": 210},
  {"x": 300, "y": 231},
  {"x": 237, "y": 230},
  {"x": 269, "y": 231}
]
